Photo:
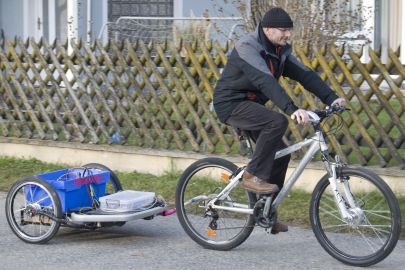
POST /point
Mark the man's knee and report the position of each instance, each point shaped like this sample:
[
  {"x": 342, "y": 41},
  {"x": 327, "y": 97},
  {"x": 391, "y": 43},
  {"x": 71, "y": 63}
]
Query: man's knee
[
  {"x": 282, "y": 119},
  {"x": 279, "y": 121}
]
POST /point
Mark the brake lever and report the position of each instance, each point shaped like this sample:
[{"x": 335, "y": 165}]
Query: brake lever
[{"x": 314, "y": 118}]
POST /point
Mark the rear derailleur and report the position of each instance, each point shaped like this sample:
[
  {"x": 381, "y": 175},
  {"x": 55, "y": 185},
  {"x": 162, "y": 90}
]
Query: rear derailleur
[{"x": 213, "y": 225}]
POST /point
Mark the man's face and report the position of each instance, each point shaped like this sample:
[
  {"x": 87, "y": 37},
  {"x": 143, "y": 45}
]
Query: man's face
[{"x": 278, "y": 36}]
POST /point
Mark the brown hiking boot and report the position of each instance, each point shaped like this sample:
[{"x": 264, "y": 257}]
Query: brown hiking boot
[
  {"x": 257, "y": 185},
  {"x": 279, "y": 227}
]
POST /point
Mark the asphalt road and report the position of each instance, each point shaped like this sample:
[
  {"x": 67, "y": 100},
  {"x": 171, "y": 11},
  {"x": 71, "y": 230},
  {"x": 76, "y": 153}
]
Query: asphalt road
[{"x": 162, "y": 244}]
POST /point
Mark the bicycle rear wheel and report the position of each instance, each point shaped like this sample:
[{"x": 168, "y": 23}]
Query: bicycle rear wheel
[
  {"x": 213, "y": 228},
  {"x": 374, "y": 230}
]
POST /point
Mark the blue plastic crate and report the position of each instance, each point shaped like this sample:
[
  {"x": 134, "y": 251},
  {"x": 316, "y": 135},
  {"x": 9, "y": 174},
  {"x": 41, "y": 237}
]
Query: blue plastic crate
[{"x": 72, "y": 187}]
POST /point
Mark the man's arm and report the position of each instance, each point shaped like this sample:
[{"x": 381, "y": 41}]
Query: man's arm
[
  {"x": 309, "y": 79},
  {"x": 312, "y": 82}
]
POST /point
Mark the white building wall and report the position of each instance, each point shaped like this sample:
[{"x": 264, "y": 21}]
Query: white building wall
[
  {"x": 11, "y": 18},
  {"x": 403, "y": 34}
]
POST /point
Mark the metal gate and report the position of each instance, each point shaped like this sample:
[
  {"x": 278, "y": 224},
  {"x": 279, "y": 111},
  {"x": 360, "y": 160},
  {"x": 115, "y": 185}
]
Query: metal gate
[{"x": 133, "y": 29}]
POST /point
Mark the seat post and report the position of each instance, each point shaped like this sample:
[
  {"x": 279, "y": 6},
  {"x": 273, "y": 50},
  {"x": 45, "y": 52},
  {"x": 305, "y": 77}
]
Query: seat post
[{"x": 246, "y": 142}]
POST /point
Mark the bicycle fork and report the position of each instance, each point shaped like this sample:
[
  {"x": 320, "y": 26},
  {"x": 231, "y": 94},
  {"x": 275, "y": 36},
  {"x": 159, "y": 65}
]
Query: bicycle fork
[{"x": 349, "y": 212}]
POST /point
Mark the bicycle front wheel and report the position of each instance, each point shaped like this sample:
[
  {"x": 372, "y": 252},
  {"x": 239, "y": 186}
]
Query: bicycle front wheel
[
  {"x": 213, "y": 228},
  {"x": 371, "y": 232}
]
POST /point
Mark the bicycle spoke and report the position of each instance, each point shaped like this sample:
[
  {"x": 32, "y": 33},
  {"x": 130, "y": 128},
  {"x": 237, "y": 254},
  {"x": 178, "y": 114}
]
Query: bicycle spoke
[
  {"x": 377, "y": 214},
  {"x": 368, "y": 242},
  {"x": 43, "y": 199},
  {"x": 31, "y": 193},
  {"x": 339, "y": 227},
  {"x": 376, "y": 232},
  {"x": 19, "y": 210},
  {"x": 322, "y": 210}
]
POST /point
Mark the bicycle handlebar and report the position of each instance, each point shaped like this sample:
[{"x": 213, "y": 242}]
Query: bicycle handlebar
[
  {"x": 328, "y": 111},
  {"x": 318, "y": 115}
]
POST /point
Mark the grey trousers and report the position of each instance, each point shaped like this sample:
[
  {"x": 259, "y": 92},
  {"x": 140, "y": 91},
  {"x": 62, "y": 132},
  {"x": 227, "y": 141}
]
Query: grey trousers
[{"x": 266, "y": 128}]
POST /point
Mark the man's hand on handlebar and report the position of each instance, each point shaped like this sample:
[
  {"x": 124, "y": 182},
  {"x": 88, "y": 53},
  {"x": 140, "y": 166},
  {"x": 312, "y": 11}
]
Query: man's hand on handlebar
[
  {"x": 301, "y": 116},
  {"x": 339, "y": 101}
]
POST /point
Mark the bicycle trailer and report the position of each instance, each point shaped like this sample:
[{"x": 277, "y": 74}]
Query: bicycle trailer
[{"x": 88, "y": 197}]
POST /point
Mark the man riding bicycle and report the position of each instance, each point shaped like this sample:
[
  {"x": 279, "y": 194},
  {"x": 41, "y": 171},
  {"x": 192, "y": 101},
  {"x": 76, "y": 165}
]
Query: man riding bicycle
[{"x": 248, "y": 81}]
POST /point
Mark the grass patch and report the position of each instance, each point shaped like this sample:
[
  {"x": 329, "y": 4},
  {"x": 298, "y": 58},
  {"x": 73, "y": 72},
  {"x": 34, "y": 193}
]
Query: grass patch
[
  {"x": 294, "y": 209},
  {"x": 12, "y": 169}
]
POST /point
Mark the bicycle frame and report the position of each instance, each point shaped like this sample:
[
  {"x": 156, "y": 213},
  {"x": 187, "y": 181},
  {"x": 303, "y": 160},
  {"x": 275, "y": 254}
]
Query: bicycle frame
[{"x": 315, "y": 143}]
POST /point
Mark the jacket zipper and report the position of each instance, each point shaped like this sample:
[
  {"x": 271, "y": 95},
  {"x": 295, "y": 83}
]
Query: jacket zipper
[{"x": 278, "y": 50}]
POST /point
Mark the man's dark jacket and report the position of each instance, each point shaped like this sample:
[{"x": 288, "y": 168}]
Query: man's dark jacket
[{"x": 249, "y": 75}]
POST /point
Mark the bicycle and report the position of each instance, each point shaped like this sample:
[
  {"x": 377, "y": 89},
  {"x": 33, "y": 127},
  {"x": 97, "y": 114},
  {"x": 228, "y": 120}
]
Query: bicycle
[{"x": 354, "y": 214}]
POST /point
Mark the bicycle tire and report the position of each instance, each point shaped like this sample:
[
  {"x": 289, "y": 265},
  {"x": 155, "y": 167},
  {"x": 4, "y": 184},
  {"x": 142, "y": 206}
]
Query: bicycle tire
[
  {"x": 363, "y": 243},
  {"x": 186, "y": 187},
  {"x": 21, "y": 196},
  {"x": 114, "y": 180}
]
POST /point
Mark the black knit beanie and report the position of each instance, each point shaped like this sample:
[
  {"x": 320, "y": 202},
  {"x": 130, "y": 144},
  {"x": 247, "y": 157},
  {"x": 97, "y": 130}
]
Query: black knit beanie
[{"x": 277, "y": 17}]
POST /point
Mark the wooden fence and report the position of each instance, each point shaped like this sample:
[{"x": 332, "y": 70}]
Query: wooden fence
[{"x": 159, "y": 96}]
